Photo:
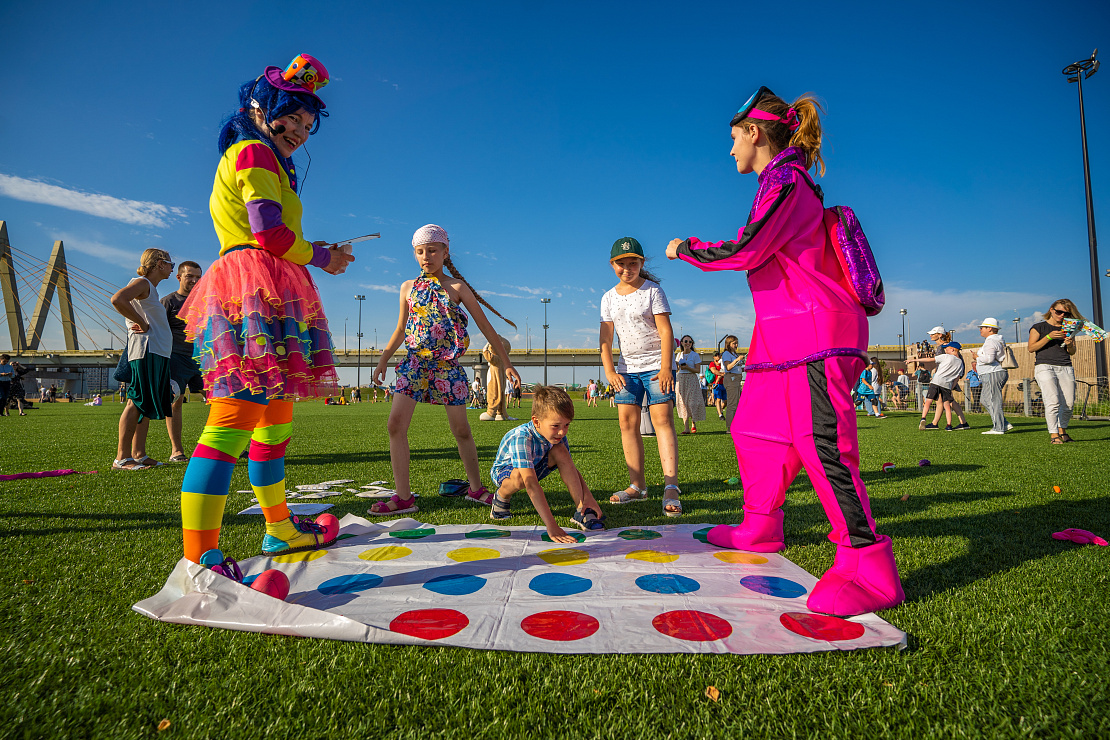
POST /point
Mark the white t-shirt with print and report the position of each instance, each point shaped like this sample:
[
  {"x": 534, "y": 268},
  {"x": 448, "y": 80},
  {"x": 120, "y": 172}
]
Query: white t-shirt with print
[{"x": 633, "y": 319}]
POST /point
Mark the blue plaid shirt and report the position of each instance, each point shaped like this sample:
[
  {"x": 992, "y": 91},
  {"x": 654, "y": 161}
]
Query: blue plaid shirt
[{"x": 523, "y": 447}]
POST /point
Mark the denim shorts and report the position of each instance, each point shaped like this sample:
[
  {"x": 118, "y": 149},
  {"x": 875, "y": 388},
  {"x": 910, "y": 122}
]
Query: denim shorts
[{"x": 640, "y": 390}]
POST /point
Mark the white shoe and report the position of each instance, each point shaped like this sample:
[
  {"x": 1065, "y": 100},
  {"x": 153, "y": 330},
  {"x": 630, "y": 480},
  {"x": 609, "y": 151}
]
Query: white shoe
[
  {"x": 992, "y": 431},
  {"x": 1009, "y": 426}
]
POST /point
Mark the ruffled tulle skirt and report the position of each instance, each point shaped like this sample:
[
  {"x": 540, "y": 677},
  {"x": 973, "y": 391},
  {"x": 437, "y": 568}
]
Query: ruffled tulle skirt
[{"x": 257, "y": 325}]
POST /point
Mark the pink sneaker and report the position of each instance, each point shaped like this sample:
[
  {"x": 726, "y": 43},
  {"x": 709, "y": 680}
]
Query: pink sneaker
[
  {"x": 757, "y": 533},
  {"x": 861, "y": 580}
]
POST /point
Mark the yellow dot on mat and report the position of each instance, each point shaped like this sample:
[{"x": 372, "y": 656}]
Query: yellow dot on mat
[
  {"x": 651, "y": 556},
  {"x": 390, "y": 552},
  {"x": 564, "y": 556},
  {"x": 740, "y": 557},
  {"x": 300, "y": 557},
  {"x": 466, "y": 554}
]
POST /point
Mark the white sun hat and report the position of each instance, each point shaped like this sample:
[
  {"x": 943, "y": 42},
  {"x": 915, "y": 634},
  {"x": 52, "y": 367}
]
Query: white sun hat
[{"x": 990, "y": 323}]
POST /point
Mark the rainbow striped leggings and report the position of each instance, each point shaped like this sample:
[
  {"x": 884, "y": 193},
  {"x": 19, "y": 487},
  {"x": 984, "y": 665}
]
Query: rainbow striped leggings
[{"x": 232, "y": 423}]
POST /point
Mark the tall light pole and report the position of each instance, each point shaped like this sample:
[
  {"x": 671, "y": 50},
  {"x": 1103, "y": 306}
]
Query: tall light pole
[
  {"x": 903, "y": 334},
  {"x": 545, "y": 301},
  {"x": 358, "y": 372},
  {"x": 1017, "y": 321},
  {"x": 527, "y": 337},
  {"x": 1078, "y": 72}
]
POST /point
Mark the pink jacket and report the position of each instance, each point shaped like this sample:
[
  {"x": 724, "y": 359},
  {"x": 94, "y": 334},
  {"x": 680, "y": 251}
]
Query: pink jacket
[{"x": 805, "y": 308}]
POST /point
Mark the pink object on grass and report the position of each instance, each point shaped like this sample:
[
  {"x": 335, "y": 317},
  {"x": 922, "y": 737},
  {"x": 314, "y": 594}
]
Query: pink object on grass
[
  {"x": 43, "y": 474},
  {"x": 1081, "y": 537}
]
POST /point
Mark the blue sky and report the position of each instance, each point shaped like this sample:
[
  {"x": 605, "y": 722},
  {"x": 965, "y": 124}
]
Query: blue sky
[{"x": 538, "y": 133}]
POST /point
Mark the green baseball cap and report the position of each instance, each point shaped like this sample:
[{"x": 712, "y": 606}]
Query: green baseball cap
[{"x": 625, "y": 246}]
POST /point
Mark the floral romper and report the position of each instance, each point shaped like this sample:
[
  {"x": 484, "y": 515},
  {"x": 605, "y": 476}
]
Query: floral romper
[{"x": 436, "y": 337}]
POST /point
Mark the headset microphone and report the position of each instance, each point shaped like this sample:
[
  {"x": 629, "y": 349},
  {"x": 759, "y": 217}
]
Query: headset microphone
[{"x": 277, "y": 130}]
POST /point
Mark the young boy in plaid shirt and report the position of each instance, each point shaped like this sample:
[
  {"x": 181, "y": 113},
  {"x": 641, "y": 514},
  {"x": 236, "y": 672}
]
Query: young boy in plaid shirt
[{"x": 530, "y": 451}]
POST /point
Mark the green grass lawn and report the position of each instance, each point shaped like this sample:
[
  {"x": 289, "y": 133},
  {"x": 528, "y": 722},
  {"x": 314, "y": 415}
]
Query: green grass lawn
[{"x": 1009, "y": 629}]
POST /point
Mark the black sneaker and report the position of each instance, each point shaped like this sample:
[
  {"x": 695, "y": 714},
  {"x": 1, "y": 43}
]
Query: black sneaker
[
  {"x": 934, "y": 426},
  {"x": 962, "y": 427},
  {"x": 949, "y": 428}
]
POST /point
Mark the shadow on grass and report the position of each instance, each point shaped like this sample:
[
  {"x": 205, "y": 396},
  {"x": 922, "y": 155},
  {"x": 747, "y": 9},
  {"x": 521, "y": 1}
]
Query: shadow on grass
[
  {"x": 106, "y": 522},
  {"x": 997, "y": 541},
  {"x": 382, "y": 455}
]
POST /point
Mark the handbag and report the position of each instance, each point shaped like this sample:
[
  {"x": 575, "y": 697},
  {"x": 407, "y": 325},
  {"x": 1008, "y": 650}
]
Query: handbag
[{"x": 1009, "y": 362}]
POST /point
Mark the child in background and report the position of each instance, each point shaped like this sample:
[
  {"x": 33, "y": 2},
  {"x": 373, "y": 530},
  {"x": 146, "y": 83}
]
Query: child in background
[
  {"x": 432, "y": 326},
  {"x": 528, "y": 453},
  {"x": 950, "y": 368},
  {"x": 636, "y": 310}
]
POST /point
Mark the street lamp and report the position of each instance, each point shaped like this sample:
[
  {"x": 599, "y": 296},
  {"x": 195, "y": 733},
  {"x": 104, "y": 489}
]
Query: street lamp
[
  {"x": 545, "y": 301},
  {"x": 1017, "y": 337},
  {"x": 358, "y": 372},
  {"x": 1078, "y": 72},
  {"x": 903, "y": 334}
]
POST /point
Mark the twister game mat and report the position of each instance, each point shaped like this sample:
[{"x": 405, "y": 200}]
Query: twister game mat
[{"x": 628, "y": 590}]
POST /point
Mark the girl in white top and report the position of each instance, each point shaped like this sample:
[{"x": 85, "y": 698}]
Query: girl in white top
[
  {"x": 149, "y": 346},
  {"x": 691, "y": 402},
  {"x": 636, "y": 310}
]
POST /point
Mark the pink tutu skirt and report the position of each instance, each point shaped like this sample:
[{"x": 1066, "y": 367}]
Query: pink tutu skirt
[{"x": 257, "y": 326}]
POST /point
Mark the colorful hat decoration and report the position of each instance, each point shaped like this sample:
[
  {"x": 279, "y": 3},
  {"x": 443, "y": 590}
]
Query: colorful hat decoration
[{"x": 305, "y": 75}]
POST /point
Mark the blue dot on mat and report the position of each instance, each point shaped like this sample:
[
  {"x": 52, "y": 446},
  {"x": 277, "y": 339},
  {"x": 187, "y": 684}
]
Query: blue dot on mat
[
  {"x": 349, "y": 584},
  {"x": 773, "y": 586},
  {"x": 560, "y": 584},
  {"x": 667, "y": 583},
  {"x": 248, "y": 580},
  {"x": 455, "y": 584}
]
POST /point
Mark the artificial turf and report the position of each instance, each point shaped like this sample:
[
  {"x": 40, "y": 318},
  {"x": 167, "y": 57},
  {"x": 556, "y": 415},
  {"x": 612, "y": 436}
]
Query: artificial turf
[{"x": 1009, "y": 629}]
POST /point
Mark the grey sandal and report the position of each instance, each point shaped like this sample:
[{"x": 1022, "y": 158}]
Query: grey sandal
[
  {"x": 624, "y": 497},
  {"x": 672, "y": 502}
]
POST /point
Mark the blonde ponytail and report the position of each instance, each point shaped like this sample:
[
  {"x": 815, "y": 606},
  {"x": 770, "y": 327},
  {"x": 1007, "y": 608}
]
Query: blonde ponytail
[{"x": 808, "y": 136}]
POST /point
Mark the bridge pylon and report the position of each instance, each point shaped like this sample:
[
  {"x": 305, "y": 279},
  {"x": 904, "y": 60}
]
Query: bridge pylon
[{"x": 56, "y": 276}]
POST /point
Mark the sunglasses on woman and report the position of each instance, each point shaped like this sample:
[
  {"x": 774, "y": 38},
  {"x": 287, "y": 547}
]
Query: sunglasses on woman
[{"x": 1058, "y": 312}]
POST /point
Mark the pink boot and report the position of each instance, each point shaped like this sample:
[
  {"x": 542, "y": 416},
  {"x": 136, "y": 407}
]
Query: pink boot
[
  {"x": 862, "y": 580},
  {"x": 757, "y": 533}
]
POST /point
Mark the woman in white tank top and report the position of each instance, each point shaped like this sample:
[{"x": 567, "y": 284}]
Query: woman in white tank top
[{"x": 149, "y": 345}]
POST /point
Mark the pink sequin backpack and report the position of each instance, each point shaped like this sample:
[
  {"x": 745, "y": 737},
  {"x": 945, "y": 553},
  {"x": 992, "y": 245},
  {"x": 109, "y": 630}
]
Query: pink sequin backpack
[{"x": 853, "y": 251}]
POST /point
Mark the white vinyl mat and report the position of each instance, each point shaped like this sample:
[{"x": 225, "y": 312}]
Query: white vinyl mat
[{"x": 628, "y": 590}]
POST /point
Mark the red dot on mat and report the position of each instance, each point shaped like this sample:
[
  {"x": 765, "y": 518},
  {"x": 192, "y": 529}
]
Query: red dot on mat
[
  {"x": 560, "y": 625},
  {"x": 687, "y": 624},
  {"x": 821, "y": 627},
  {"x": 429, "y": 624}
]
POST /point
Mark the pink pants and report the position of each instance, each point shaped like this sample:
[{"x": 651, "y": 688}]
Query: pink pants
[{"x": 804, "y": 417}]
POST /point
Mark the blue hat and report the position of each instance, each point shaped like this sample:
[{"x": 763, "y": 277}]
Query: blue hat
[{"x": 957, "y": 345}]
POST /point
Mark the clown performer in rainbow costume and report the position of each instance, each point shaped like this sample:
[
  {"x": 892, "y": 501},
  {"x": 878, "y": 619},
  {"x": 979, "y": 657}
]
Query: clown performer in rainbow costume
[
  {"x": 807, "y": 351},
  {"x": 256, "y": 320}
]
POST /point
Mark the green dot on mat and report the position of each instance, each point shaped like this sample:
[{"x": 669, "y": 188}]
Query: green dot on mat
[
  {"x": 701, "y": 534},
  {"x": 412, "y": 534},
  {"x": 488, "y": 534},
  {"x": 344, "y": 536},
  {"x": 639, "y": 534},
  {"x": 578, "y": 537}
]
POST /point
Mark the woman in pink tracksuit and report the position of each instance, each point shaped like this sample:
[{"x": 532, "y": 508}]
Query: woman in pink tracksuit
[{"x": 807, "y": 351}]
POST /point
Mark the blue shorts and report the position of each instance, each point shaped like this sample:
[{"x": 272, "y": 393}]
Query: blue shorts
[
  {"x": 719, "y": 393},
  {"x": 640, "y": 390}
]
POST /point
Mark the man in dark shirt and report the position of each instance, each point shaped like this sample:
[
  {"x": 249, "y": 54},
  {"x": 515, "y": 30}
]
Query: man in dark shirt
[{"x": 183, "y": 368}]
